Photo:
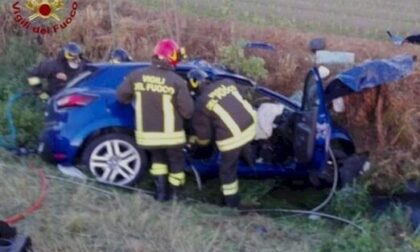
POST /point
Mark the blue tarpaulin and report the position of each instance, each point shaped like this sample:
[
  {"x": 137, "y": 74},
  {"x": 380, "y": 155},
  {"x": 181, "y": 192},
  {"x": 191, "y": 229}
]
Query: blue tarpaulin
[{"x": 373, "y": 73}]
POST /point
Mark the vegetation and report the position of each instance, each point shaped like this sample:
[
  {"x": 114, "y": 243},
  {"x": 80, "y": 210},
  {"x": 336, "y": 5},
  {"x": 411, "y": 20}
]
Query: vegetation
[
  {"x": 234, "y": 57},
  {"x": 79, "y": 216},
  {"x": 17, "y": 57},
  {"x": 88, "y": 217}
]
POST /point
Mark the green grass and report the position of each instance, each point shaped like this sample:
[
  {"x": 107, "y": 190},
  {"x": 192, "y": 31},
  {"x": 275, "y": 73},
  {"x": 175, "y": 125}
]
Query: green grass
[
  {"x": 357, "y": 18},
  {"x": 88, "y": 217}
]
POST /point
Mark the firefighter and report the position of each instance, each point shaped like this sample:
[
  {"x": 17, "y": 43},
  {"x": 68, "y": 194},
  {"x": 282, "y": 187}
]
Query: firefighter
[
  {"x": 162, "y": 102},
  {"x": 224, "y": 115},
  {"x": 120, "y": 55},
  {"x": 58, "y": 72}
]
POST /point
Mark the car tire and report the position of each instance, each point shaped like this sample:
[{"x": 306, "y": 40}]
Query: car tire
[{"x": 115, "y": 159}]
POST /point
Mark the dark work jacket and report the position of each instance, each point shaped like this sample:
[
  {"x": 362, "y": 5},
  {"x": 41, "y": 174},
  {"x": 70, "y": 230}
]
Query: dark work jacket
[
  {"x": 162, "y": 102},
  {"x": 221, "y": 110},
  {"x": 50, "y": 68}
]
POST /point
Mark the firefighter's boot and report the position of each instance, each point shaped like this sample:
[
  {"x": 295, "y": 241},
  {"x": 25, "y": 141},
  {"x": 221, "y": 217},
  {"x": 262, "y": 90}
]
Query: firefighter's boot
[
  {"x": 177, "y": 193},
  {"x": 177, "y": 182},
  {"x": 232, "y": 201},
  {"x": 162, "y": 189}
]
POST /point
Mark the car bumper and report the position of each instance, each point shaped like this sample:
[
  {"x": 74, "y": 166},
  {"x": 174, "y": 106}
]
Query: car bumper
[
  {"x": 55, "y": 148},
  {"x": 45, "y": 152}
]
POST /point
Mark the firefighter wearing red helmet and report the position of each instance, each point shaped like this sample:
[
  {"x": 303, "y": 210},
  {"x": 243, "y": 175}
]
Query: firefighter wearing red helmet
[{"x": 162, "y": 103}]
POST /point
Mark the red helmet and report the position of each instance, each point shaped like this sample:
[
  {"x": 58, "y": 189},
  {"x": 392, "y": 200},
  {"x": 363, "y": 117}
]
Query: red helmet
[{"x": 169, "y": 51}]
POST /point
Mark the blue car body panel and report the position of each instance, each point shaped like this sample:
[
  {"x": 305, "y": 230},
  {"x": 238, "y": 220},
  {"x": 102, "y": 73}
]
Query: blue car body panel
[{"x": 67, "y": 130}]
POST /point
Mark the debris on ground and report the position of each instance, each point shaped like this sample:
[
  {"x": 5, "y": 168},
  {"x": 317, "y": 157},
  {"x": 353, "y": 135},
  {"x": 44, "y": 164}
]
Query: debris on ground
[
  {"x": 317, "y": 44},
  {"x": 399, "y": 40},
  {"x": 331, "y": 57},
  {"x": 10, "y": 241}
]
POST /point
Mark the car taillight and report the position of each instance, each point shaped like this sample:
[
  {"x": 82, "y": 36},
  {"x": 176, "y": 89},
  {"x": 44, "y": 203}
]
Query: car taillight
[{"x": 74, "y": 100}]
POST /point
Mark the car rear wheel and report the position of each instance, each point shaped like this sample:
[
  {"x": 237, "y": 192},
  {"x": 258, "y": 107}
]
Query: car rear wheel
[{"x": 116, "y": 159}]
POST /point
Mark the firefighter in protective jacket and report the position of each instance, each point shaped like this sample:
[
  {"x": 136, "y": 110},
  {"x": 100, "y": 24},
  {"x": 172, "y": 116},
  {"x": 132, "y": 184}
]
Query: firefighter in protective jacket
[
  {"x": 58, "y": 72},
  {"x": 162, "y": 103},
  {"x": 224, "y": 115}
]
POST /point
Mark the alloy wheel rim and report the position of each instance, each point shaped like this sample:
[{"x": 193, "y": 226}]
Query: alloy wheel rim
[{"x": 115, "y": 161}]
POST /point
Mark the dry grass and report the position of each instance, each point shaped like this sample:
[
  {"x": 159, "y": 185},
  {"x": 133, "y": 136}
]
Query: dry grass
[
  {"x": 86, "y": 217},
  {"x": 78, "y": 218},
  {"x": 393, "y": 169}
]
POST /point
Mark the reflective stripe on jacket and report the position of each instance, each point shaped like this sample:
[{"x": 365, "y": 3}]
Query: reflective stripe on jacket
[
  {"x": 221, "y": 109},
  {"x": 162, "y": 101}
]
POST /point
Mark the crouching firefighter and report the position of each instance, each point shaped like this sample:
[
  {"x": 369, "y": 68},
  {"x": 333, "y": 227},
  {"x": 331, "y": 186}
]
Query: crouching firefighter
[
  {"x": 58, "y": 72},
  {"x": 162, "y": 102},
  {"x": 224, "y": 115}
]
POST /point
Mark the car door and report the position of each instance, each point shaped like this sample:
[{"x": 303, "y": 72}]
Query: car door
[{"x": 312, "y": 124}]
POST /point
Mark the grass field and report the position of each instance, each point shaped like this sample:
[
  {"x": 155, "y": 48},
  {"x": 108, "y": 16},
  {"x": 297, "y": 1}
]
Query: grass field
[
  {"x": 358, "y": 18},
  {"x": 87, "y": 217}
]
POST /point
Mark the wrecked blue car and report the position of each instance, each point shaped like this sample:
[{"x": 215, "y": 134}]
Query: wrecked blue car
[{"x": 85, "y": 126}]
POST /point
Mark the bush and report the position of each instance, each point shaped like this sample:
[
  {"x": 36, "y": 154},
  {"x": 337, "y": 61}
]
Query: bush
[
  {"x": 233, "y": 56},
  {"x": 26, "y": 119},
  {"x": 18, "y": 56}
]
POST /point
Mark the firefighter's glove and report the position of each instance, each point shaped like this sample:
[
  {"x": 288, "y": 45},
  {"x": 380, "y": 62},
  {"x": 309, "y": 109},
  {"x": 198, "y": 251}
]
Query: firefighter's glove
[
  {"x": 61, "y": 76},
  {"x": 192, "y": 140},
  {"x": 44, "y": 96},
  {"x": 34, "y": 81},
  {"x": 191, "y": 145},
  {"x": 183, "y": 53},
  {"x": 199, "y": 149}
]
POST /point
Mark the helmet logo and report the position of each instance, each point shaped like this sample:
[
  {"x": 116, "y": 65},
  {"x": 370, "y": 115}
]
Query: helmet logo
[
  {"x": 44, "y": 9},
  {"x": 197, "y": 77},
  {"x": 173, "y": 57},
  {"x": 194, "y": 83},
  {"x": 69, "y": 56}
]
